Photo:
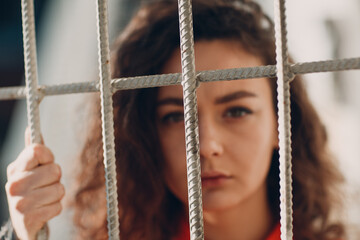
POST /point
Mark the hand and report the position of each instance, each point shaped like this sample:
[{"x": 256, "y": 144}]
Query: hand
[{"x": 33, "y": 189}]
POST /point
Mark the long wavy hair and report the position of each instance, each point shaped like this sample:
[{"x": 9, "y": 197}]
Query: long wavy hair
[{"x": 147, "y": 209}]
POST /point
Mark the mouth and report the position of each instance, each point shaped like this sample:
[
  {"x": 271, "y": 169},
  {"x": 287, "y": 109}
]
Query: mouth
[{"x": 213, "y": 179}]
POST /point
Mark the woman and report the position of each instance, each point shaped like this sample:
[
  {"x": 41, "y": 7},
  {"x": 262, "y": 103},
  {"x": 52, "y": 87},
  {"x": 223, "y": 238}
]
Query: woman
[{"x": 238, "y": 141}]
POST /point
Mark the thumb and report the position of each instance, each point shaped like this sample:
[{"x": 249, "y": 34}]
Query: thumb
[{"x": 28, "y": 137}]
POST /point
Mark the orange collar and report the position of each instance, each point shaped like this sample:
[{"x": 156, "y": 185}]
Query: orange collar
[
  {"x": 185, "y": 233},
  {"x": 275, "y": 234}
]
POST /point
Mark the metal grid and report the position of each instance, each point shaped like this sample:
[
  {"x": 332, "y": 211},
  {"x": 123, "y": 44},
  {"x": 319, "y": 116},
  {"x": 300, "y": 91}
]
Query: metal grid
[{"x": 188, "y": 79}]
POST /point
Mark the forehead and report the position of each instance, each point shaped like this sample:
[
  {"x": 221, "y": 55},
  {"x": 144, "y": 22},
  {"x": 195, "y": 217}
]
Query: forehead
[
  {"x": 210, "y": 91},
  {"x": 213, "y": 55}
]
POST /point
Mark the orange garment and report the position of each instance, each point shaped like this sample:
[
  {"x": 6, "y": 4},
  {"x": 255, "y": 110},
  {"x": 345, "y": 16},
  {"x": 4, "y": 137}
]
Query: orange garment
[{"x": 185, "y": 233}]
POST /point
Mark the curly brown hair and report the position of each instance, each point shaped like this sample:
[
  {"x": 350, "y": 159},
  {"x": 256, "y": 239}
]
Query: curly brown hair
[{"x": 148, "y": 210}]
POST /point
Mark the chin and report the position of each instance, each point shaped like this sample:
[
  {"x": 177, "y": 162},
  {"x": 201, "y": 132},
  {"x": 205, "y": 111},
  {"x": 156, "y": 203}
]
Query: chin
[{"x": 218, "y": 203}]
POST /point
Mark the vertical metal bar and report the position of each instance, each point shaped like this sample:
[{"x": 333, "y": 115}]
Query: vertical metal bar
[
  {"x": 31, "y": 78},
  {"x": 31, "y": 69},
  {"x": 191, "y": 120},
  {"x": 284, "y": 76},
  {"x": 107, "y": 120}
]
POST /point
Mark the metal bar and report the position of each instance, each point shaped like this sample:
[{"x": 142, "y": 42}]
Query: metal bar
[
  {"x": 326, "y": 66},
  {"x": 284, "y": 75},
  {"x": 107, "y": 120},
  {"x": 191, "y": 120},
  {"x": 8, "y": 93},
  {"x": 31, "y": 79}
]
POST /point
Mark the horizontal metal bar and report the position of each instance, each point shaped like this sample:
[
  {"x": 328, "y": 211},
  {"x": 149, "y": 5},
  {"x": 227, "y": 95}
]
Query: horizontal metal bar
[
  {"x": 8, "y": 93},
  {"x": 147, "y": 81},
  {"x": 326, "y": 66}
]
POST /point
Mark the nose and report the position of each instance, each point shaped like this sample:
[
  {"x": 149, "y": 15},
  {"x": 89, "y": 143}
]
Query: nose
[{"x": 210, "y": 138}]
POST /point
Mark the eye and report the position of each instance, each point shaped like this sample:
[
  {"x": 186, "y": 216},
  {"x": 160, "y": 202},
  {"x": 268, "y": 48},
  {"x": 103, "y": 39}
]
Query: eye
[
  {"x": 172, "y": 117},
  {"x": 237, "y": 112}
]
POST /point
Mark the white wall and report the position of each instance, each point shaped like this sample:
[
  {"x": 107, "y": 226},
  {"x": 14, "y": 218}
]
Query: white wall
[{"x": 311, "y": 38}]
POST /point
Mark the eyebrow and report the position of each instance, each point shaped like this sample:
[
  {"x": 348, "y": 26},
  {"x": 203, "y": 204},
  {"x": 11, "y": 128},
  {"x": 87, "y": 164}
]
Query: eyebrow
[
  {"x": 234, "y": 96},
  {"x": 171, "y": 101},
  {"x": 220, "y": 100}
]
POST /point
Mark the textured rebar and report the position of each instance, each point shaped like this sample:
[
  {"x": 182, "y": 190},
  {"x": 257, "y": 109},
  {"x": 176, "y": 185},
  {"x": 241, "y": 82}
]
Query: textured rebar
[
  {"x": 284, "y": 75},
  {"x": 69, "y": 88},
  {"x": 326, "y": 66},
  {"x": 107, "y": 120},
  {"x": 32, "y": 96},
  {"x": 30, "y": 63},
  {"x": 191, "y": 120},
  {"x": 7, "y": 93},
  {"x": 147, "y": 81},
  {"x": 237, "y": 73}
]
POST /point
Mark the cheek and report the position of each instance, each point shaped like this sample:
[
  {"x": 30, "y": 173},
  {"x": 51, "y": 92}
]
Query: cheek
[
  {"x": 255, "y": 147},
  {"x": 173, "y": 148}
]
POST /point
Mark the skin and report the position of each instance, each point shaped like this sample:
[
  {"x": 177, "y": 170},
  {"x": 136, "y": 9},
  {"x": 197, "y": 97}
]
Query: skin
[
  {"x": 33, "y": 189},
  {"x": 237, "y": 130}
]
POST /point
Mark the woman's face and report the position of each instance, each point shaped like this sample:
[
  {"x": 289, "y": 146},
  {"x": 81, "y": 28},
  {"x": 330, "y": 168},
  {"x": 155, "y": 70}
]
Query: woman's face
[{"x": 237, "y": 127}]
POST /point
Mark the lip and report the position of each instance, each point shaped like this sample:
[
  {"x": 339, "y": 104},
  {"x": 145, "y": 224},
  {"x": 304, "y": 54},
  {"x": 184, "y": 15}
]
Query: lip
[{"x": 213, "y": 179}]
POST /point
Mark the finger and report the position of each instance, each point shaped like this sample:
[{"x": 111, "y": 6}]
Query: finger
[
  {"x": 45, "y": 175},
  {"x": 22, "y": 182},
  {"x": 28, "y": 137},
  {"x": 38, "y": 198},
  {"x": 48, "y": 212},
  {"x": 31, "y": 157},
  {"x": 36, "y": 219},
  {"x": 47, "y": 195}
]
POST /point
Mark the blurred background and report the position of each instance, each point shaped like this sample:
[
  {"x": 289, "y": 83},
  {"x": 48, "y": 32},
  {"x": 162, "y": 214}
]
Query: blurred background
[{"x": 67, "y": 52}]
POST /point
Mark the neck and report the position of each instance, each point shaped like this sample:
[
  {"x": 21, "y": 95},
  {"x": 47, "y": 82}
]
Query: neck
[{"x": 250, "y": 219}]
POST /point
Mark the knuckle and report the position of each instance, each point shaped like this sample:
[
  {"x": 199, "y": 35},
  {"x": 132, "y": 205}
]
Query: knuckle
[
  {"x": 36, "y": 150},
  {"x": 10, "y": 170},
  {"x": 56, "y": 171},
  {"x": 52, "y": 211},
  {"x": 35, "y": 219},
  {"x": 61, "y": 190},
  {"x": 51, "y": 156},
  {"x": 7, "y": 187},
  {"x": 21, "y": 205},
  {"x": 57, "y": 209},
  {"x": 31, "y": 221},
  {"x": 28, "y": 219},
  {"x": 13, "y": 188}
]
